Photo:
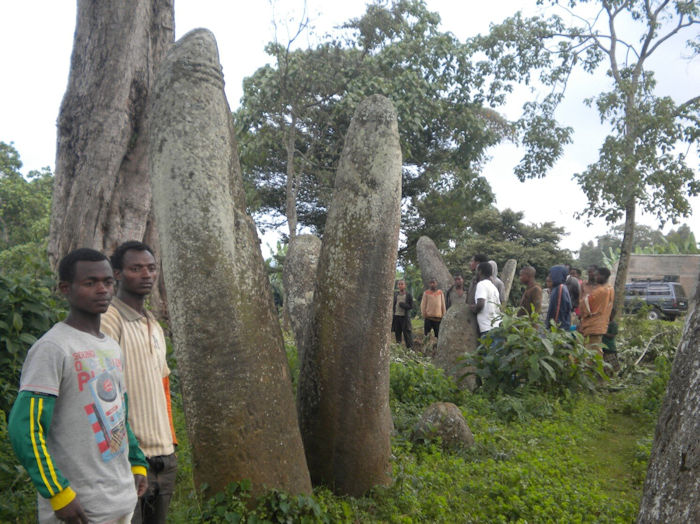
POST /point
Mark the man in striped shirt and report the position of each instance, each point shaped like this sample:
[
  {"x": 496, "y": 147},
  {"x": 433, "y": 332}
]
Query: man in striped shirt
[{"x": 146, "y": 372}]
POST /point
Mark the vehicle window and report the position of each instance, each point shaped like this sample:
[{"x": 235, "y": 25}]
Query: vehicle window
[
  {"x": 680, "y": 292},
  {"x": 658, "y": 290}
]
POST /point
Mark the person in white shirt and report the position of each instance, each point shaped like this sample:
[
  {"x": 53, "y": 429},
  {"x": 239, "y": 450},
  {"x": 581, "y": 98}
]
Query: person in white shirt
[{"x": 487, "y": 306}]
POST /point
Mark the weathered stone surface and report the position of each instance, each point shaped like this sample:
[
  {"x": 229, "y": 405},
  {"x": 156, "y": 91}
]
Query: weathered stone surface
[
  {"x": 507, "y": 275},
  {"x": 671, "y": 491},
  {"x": 299, "y": 278},
  {"x": 237, "y": 391},
  {"x": 344, "y": 377},
  {"x": 459, "y": 334},
  {"x": 444, "y": 420},
  {"x": 431, "y": 264}
]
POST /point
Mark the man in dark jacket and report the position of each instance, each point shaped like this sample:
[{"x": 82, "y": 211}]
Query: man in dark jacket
[
  {"x": 559, "y": 299},
  {"x": 401, "y": 323}
]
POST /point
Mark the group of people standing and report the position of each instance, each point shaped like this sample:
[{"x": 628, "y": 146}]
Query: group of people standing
[
  {"x": 484, "y": 296},
  {"x": 573, "y": 304}
]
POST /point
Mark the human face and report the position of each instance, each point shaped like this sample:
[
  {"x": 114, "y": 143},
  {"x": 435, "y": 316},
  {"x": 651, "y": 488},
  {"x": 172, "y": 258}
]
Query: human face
[
  {"x": 138, "y": 273},
  {"x": 91, "y": 289},
  {"x": 524, "y": 278},
  {"x": 548, "y": 282},
  {"x": 402, "y": 286},
  {"x": 591, "y": 274},
  {"x": 459, "y": 281},
  {"x": 472, "y": 264},
  {"x": 433, "y": 285}
]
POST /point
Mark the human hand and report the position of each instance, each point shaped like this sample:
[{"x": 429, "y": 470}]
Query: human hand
[
  {"x": 72, "y": 513},
  {"x": 141, "y": 484}
]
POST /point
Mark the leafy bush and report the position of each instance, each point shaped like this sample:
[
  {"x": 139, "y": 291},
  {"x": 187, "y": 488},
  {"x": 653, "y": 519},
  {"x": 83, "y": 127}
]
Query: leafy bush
[
  {"x": 421, "y": 384},
  {"x": 641, "y": 341},
  {"x": 520, "y": 353},
  {"x": 28, "y": 308},
  {"x": 17, "y": 503},
  {"x": 646, "y": 397},
  {"x": 234, "y": 505}
]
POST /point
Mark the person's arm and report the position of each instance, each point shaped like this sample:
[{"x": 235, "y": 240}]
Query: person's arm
[
  {"x": 423, "y": 305},
  {"x": 442, "y": 303},
  {"x": 29, "y": 423},
  {"x": 536, "y": 300},
  {"x": 168, "y": 402},
  {"x": 480, "y": 302},
  {"x": 139, "y": 464}
]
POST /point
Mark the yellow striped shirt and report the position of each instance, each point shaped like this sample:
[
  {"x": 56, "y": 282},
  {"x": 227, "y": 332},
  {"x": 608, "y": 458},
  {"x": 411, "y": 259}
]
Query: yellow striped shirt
[{"x": 143, "y": 355}]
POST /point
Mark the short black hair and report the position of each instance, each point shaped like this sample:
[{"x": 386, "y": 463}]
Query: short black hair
[
  {"x": 603, "y": 272},
  {"x": 66, "y": 267},
  {"x": 485, "y": 269},
  {"x": 479, "y": 257},
  {"x": 117, "y": 258},
  {"x": 457, "y": 274}
]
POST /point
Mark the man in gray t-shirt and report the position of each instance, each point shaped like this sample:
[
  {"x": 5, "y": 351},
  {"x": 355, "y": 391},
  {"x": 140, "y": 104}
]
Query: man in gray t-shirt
[{"x": 68, "y": 425}]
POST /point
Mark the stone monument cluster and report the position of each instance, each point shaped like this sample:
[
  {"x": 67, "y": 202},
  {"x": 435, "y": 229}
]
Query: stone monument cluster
[{"x": 242, "y": 418}]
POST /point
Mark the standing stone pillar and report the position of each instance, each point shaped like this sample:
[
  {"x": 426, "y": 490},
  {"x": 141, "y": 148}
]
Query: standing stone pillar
[
  {"x": 299, "y": 278},
  {"x": 507, "y": 275},
  {"x": 431, "y": 264},
  {"x": 236, "y": 386},
  {"x": 459, "y": 335},
  {"x": 344, "y": 378},
  {"x": 671, "y": 491}
]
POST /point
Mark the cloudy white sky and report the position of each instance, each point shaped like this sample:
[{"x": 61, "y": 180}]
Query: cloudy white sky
[{"x": 36, "y": 37}]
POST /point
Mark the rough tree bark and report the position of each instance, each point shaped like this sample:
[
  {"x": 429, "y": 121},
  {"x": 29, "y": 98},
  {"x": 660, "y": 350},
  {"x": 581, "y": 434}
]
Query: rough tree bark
[
  {"x": 672, "y": 489},
  {"x": 102, "y": 194}
]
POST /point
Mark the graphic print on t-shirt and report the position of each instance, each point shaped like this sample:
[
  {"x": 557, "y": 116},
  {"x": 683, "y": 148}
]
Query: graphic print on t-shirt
[{"x": 106, "y": 411}]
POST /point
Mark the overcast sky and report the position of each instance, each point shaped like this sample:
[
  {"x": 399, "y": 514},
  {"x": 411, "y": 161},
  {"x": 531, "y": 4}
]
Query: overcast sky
[{"x": 36, "y": 37}]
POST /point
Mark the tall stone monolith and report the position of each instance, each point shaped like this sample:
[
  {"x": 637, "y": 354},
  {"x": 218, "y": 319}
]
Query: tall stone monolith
[
  {"x": 431, "y": 264},
  {"x": 671, "y": 491},
  {"x": 299, "y": 278},
  {"x": 239, "y": 404},
  {"x": 344, "y": 379},
  {"x": 507, "y": 275},
  {"x": 459, "y": 335}
]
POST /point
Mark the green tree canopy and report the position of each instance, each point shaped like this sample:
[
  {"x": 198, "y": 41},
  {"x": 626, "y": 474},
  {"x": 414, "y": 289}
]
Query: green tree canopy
[
  {"x": 295, "y": 112},
  {"x": 503, "y": 235},
  {"x": 646, "y": 240},
  {"x": 25, "y": 201}
]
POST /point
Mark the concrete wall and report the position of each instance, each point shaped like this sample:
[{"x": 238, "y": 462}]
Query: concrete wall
[{"x": 656, "y": 267}]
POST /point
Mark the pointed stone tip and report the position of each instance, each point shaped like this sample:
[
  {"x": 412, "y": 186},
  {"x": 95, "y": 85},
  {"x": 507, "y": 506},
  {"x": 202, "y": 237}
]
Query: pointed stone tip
[
  {"x": 376, "y": 108},
  {"x": 205, "y": 36},
  {"x": 425, "y": 239},
  {"x": 195, "y": 57},
  {"x": 199, "y": 45}
]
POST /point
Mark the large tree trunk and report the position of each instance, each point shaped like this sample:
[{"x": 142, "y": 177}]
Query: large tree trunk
[
  {"x": 625, "y": 252},
  {"x": 671, "y": 491},
  {"x": 102, "y": 194}
]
